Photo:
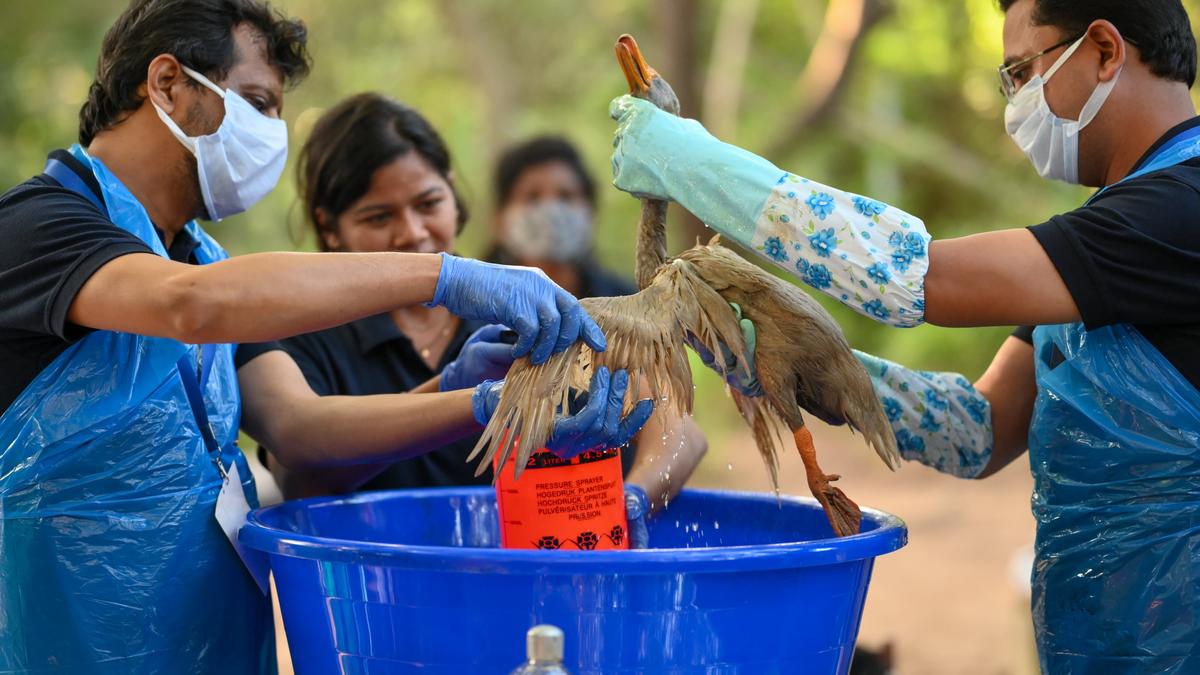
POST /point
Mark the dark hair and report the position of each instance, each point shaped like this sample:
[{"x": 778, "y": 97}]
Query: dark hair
[
  {"x": 535, "y": 152},
  {"x": 354, "y": 139},
  {"x": 1159, "y": 28},
  {"x": 197, "y": 32}
]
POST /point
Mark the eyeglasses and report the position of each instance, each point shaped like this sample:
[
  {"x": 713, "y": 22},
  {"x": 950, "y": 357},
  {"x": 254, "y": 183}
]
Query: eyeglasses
[{"x": 1008, "y": 84}]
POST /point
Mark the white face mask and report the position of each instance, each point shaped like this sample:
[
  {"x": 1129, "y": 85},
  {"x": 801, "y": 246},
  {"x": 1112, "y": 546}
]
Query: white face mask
[
  {"x": 1049, "y": 141},
  {"x": 554, "y": 231},
  {"x": 241, "y": 161}
]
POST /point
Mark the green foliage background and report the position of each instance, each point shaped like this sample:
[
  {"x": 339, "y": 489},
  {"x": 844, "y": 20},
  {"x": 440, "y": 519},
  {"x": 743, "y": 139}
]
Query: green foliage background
[{"x": 920, "y": 126}]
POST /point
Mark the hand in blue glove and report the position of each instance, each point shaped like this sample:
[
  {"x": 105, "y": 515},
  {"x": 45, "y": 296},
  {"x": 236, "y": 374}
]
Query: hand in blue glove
[
  {"x": 744, "y": 381},
  {"x": 637, "y": 505},
  {"x": 547, "y": 319},
  {"x": 484, "y": 356},
  {"x": 597, "y": 425}
]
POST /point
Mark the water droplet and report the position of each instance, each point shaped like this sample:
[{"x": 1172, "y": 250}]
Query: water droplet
[
  {"x": 729, "y": 466},
  {"x": 716, "y": 525},
  {"x": 677, "y": 524}
]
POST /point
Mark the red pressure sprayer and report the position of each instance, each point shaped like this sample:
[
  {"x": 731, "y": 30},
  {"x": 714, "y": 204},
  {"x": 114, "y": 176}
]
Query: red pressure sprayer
[
  {"x": 575, "y": 504},
  {"x": 571, "y": 504}
]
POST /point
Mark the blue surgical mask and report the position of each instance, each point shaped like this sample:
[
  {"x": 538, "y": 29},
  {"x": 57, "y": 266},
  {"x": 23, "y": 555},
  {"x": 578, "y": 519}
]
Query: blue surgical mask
[{"x": 239, "y": 163}]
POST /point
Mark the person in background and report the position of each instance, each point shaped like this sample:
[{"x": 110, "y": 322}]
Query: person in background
[
  {"x": 374, "y": 175},
  {"x": 545, "y": 217}
]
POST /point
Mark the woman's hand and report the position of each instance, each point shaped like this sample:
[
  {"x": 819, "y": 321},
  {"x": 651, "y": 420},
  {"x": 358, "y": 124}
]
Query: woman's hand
[{"x": 485, "y": 356}]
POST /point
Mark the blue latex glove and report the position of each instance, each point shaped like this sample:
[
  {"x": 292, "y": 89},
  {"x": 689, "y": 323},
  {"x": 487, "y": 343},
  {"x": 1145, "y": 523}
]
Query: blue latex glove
[
  {"x": 484, "y": 356},
  {"x": 637, "y": 505},
  {"x": 547, "y": 319},
  {"x": 869, "y": 256},
  {"x": 744, "y": 381},
  {"x": 597, "y": 425},
  {"x": 939, "y": 419}
]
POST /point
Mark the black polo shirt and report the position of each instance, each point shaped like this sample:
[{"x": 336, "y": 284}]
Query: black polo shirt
[
  {"x": 372, "y": 356},
  {"x": 54, "y": 241},
  {"x": 1132, "y": 255}
]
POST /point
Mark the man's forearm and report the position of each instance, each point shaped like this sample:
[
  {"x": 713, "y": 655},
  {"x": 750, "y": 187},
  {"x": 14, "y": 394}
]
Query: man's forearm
[
  {"x": 1010, "y": 385},
  {"x": 1001, "y": 278},
  {"x": 273, "y": 295},
  {"x": 252, "y": 298}
]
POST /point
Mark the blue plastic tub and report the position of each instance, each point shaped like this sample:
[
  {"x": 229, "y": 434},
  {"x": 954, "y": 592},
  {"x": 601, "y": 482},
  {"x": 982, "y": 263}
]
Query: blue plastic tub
[{"x": 413, "y": 582}]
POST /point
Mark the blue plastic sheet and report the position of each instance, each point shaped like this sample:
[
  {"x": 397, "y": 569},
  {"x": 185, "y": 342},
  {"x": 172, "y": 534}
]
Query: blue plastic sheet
[
  {"x": 1114, "y": 454},
  {"x": 111, "y": 560}
]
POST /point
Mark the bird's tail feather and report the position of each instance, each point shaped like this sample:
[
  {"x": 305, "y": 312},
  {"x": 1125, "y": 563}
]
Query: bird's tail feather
[
  {"x": 863, "y": 412},
  {"x": 765, "y": 426}
]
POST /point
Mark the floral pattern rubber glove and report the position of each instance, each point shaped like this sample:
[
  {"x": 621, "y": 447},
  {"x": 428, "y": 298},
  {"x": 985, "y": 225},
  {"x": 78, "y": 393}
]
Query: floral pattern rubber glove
[
  {"x": 939, "y": 419},
  {"x": 870, "y": 256}
]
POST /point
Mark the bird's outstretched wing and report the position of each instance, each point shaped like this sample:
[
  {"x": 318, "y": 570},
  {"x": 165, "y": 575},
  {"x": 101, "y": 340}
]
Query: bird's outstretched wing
[{"x": 645, "y": 334}]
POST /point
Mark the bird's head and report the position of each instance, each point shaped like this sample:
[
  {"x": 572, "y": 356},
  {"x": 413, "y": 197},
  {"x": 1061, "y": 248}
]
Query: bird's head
[{"x": 644, "y": 81}]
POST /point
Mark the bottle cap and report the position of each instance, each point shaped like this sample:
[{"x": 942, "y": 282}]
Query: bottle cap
[{"x": 544, "y": 643}]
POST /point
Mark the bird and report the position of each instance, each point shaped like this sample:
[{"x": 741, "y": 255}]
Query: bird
[{"x": 801, "y": 358}]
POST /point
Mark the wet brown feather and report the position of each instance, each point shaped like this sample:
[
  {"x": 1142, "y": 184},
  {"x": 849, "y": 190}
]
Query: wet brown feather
[{"x": 802, "y": 358}]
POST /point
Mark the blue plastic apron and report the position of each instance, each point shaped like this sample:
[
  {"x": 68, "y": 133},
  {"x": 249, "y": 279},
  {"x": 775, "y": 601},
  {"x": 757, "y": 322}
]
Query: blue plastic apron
[
  {"x": 111, "y": 560},
  {"x": 1115, "y": 452}
]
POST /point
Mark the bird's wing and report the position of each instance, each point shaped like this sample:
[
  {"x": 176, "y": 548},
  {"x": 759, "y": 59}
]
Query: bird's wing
[
  {"x": 644, "y": 338},
  {"x": 802, "y": 356}
]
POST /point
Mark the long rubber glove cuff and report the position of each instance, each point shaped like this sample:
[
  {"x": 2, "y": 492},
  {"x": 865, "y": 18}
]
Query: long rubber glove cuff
[
  {"x": 637, "y": 505},
  {"x": 870, "y": 256},
  {"x": 939, "y": 419}
]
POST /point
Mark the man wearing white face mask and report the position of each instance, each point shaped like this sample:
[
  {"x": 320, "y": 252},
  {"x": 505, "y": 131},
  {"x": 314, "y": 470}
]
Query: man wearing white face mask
[
  {"x": 123, "y": 384},
  {"x": 1105, "y": 392}
]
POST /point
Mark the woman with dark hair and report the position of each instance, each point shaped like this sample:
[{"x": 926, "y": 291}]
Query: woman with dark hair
[
  {"x": 376, "y": 176},
  {"x": 545, "y": 212}
]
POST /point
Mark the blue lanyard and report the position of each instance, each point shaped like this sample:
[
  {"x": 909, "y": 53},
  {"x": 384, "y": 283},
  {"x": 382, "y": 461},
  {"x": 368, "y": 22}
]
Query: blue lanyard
[{"x": 1180, "y": 148}]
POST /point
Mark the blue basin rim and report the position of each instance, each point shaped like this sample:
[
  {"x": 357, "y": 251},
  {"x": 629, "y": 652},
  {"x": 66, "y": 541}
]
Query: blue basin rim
[{"x": 889, "y": 534}]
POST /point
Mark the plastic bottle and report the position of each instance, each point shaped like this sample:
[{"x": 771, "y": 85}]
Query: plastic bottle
[
  {"x": 576, "y": 504},
  {"x": 544, "y": 650}
]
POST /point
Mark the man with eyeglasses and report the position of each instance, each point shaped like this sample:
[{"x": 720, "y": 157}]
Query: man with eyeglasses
[{"x": 1102, "y": 385}]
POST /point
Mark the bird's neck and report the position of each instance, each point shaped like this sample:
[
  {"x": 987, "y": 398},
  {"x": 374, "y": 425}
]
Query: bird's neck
[{"x": 651, "y": 241}]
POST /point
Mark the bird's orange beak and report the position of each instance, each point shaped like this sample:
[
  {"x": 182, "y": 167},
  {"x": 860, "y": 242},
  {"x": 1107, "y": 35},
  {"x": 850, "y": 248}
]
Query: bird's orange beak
[{"x": 638, "y": 73}]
